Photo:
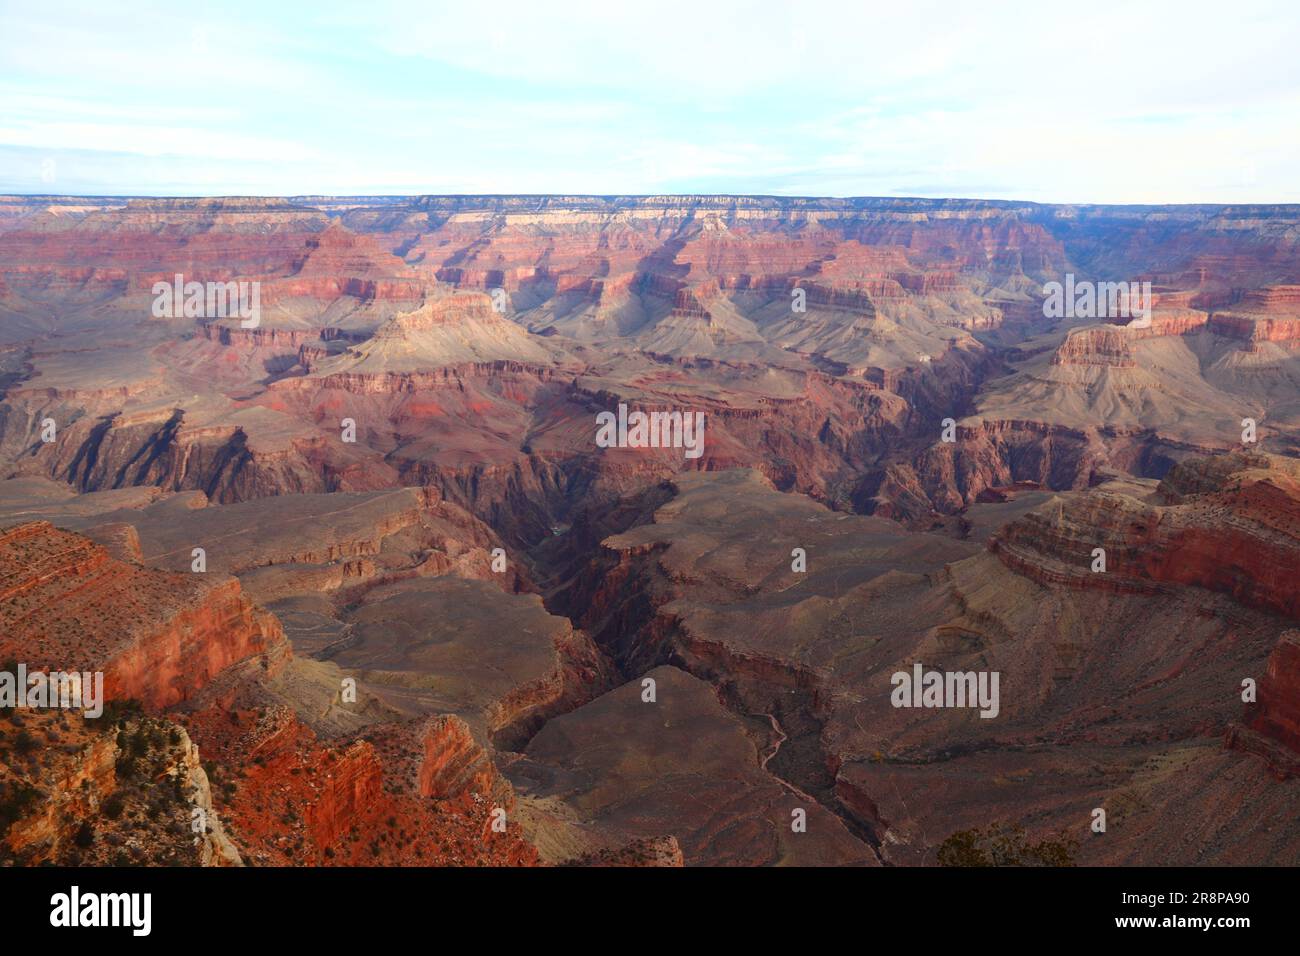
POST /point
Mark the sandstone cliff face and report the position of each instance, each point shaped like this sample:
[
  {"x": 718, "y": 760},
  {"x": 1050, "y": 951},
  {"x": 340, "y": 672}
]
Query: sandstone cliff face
[
  {"x": 214, "y": 846},
  {"x": 158, "y": 637},
  {"x": 1231, "y": 525},
  {"x": 1105, "y": 346},
  {"x": 166, "y": 668},
  {"x": 453, "y": 762},
  {"x": 1255, "y": 328},
  {"x": 352, "y": 783},
  {"x": 1267, "y": 314},
  {"x": 101, "y": 792},
  {"x": 1278, "y": 714},
  {"x": 990, "y": 454},
  {"x": 82, "y": 778},
  {"x": 219, "y": 459},
  {"x": 153, "y": 235},
  {"x": 401, "y": 794}
]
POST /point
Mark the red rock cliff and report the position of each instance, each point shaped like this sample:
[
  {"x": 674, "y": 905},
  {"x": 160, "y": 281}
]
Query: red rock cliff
[{"x": 158, "y": 637}]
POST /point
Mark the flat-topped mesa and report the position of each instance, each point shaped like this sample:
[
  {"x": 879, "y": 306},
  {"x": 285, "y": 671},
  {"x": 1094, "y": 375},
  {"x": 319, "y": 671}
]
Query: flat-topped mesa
[
  {"x": 596, "y": 289},
  {"x": 928, "y": 283},
  {"x": 1254, "y": 329},
  {"x": 262, "y": 337},
  {"x": 1101, "y": 345},
  {"x": 158, "y": 637},
  {"x": 850, "y": 296},
  {"x": 1268, "y": 314},
  {"x": 338, "y": 262},
  {"x": 693, "y": 303},
  {"x": 1173, "y": 312},
  {"x": 445, "y": 310},
  {"x": 1203, "y": 476},
  {"x": 1273, "y": 300},
  {"x": 1171, "y": 320},
  {"x": 1055, "y": 545},
  {"x": 1229, "y": 524}
]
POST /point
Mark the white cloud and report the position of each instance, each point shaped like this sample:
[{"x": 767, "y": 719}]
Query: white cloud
[{"x": 1155, "y": 102}]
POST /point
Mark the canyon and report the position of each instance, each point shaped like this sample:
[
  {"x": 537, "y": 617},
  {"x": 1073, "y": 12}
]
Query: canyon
[{"x": 367, "y": 590}]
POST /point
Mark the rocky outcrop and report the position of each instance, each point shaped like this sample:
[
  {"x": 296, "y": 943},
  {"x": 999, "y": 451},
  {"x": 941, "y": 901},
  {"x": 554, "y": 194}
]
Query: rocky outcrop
[
  {"x": 453, "y": 762},
  {"x": 651, "y": 851},
  {"x": 158, "y": 637},
  {"x": 989, "y": 454},
  {"x": 70, "y": 792},
  {"x": 1230, "y": 524},
  {"x": 1270, "y": 727},
  {"x": 133, "y": 792},
  {"x": 214, "y": 846},
  {"x": 297, "y": 798},
  {"x": 345, "y": 791},
  {"x": 1255, "y": 328},
  {"x": 1278, "y": 715},
  {"x": 1099, "y": 345}
]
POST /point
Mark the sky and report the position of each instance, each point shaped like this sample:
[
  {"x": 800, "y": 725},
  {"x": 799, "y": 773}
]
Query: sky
[{"x": 1130, "y": 102}]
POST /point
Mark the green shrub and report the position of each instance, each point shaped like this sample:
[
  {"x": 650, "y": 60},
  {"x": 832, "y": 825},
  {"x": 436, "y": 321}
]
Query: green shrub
[
  {"x": 1004, "y": 845},
  {"x": 85, "y": 837},
  {"x": 113, "y": 806}
]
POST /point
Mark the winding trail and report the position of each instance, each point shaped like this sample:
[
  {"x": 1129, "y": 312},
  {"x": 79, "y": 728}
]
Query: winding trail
[{"x": 776, "y": 747}]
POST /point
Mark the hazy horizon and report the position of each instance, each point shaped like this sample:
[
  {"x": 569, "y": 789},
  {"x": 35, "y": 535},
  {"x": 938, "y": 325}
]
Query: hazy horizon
[
  {"x": 631, "y": 196},
  {"x": 1024, "y": 102}
]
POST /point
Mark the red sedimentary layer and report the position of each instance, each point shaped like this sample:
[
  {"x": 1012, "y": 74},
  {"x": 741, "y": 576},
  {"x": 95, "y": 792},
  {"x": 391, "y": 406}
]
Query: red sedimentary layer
[
  {"x": 1278, "y": 714},
  {"x": 448, "y": 310},
  {"x": 453, "y": 762},
  {"x": 305, "y": 801},
  {"x": 75, "y": 781},
  {"x": 65, "y": 604},
  {"x": 338, "y": 262},
  {"x": 1255, "y": 329},
  {"x": 1232, "y": 525},
  {"x": 1273, "y": 300},
  {"x": 1103, "y": 345},
  {"x": 352, "y": 784}
]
